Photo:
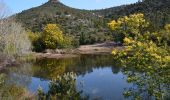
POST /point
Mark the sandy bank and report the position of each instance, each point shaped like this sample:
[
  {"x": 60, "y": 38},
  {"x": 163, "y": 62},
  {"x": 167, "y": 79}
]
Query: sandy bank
[{"x": 102, "y": 48}]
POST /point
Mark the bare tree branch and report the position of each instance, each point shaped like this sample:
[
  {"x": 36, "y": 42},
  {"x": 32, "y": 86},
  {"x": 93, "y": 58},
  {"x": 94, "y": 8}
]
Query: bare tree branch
[{"x": 13, "y": 38}]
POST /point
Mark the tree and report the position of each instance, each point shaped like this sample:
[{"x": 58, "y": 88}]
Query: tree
[
  {"x": 132, "y": 26},
  {"x": 52, "y": 36},
  {"x": 144, "y": 54},
  {"x": 165, "y": 34},
  {"x": 37, "y": 42},
  {"x": 14, "y": 41},
  {"x": 82, "y": 39}
]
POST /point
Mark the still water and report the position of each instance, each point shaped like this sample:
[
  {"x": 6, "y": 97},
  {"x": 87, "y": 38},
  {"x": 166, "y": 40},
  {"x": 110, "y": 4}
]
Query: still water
[{"x": 100, "y": 78}]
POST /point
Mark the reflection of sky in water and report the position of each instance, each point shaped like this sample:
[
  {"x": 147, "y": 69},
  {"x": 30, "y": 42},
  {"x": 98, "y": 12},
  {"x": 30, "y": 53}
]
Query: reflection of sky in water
[
  {"x": 36, "y": 83},
  {"x": 31, "y": 83},
  {"x": 100, "y": 79},
  {"x": 103, "y": 84}
]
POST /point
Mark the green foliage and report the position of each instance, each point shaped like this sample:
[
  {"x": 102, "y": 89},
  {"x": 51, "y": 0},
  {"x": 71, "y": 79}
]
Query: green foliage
[
  {"x": 37, "y": 41},
  {"x": 1, "y": 79},
  {"x": 67, "y": 42},
  {"x": 92, "y": 23},
  {"x": 143, "y": 55},
  {"x": 129, "y": 26},
  {"x": 12, "y": 92},
  {"x": 75, "y": 43},
  {"x": 82, "y": 38},
  {"x": 91, "y": 38},
  {"x": 155, "y": 11},
  {"x": 15, "y": 93},
  {"x": 72, "y": 21},
  {"x": 60, "y": 89},
  {"x": 141, "y": 51},
  {"x": 149, "y": 54},
  {"x": 51, "y": 38},
  {"x": 165, "y": 34}
]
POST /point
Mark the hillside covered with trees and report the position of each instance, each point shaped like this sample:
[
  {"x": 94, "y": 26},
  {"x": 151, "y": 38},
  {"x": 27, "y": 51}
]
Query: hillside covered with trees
[
  {"x": 89, "y": 26},
  {"x": 92, "y": 24}
]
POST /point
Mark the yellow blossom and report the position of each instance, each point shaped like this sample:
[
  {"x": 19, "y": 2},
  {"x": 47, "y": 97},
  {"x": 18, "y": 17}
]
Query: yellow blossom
[
  {"x": 139, "y": 44},
  {"x": 112, "y": 24},
  {"x": 127, "y": 40},
  {"x": 167, "y": 27},
  {"x": 114, "y": 52},
  {"x": 128, "y": 48},
  {"x": 167, "y": 58}
]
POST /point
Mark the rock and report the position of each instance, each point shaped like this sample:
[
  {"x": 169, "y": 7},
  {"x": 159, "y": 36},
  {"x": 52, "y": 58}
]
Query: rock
[
  {"x": 49, "y": 51},
  {"x": 54, "y": 1}
]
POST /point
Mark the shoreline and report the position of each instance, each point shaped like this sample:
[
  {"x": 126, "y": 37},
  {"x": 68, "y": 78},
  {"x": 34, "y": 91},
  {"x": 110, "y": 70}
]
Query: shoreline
[{"x": 100, "y": 48}]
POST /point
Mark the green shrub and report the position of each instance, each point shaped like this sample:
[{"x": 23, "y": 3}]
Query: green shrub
[{"x": 61, "y": 88}]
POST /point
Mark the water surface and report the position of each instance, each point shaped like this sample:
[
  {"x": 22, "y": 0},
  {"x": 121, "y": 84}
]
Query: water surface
[{"x": 101, "y": 79}]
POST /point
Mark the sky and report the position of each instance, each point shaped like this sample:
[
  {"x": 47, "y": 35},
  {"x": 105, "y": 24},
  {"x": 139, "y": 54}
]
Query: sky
[{"x": 19, "y": 5}]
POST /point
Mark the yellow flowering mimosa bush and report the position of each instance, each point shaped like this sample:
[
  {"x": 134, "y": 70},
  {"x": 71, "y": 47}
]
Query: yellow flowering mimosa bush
[
  {"x": 143, "y": 55},
  {"x": 145, "y": 58},
  {"x": 130, "y": 26},
  {"x": 52, "y": 36},
  {"x": 140, "y": 50}
]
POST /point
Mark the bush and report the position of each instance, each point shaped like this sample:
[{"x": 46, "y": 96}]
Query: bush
[
  {"x": 146, "y": 53},
  {"x": 37, "y": 42},
  {"x": 14, "y": 40},
  {"x": 141, "y": 51},
  {"x": 66, "y": 43},
  {"x": 62, "y": 88},
  {"x": 52, "y": 36},
  {"x": 166, "y": 34},
  {"x": 130, "y": 26},
  {"x": 75, "y": 43}
]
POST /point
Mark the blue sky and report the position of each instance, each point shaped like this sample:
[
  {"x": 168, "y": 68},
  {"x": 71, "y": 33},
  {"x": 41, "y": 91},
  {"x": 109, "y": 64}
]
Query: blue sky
[{"x": 19, "y": 5}]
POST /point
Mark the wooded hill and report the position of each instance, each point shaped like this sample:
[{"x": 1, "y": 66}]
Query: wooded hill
[{"x": 91, "y": 24}]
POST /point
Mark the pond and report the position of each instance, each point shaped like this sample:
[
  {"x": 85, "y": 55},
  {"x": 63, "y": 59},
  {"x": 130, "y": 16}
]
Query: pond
[{"x": 97, "y": 76}]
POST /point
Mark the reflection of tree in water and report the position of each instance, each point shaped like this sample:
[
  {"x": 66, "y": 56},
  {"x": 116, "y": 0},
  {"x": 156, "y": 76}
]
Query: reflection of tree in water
[
  {"x": 20, "y": 76},
  {"x": 15, "y": 81},
  {"x": 115, "y": 70},
  {"x": 14, "y": 92},
  {"x": 62, "y": 87},
  {"x": 50, "y": 68}
]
